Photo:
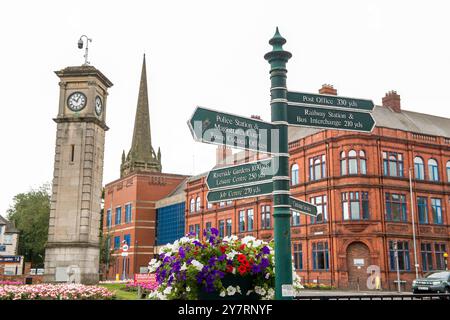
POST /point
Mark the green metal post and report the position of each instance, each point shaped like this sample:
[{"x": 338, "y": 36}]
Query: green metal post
[{"x": 281, "y": 212}]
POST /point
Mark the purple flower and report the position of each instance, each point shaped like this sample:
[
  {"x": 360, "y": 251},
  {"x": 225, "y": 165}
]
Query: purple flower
[
  {"x": 264, "y": 263},
  {"x": 181, "y": 252},
  {"x": 214, "y": 232},
  {"x": 265, "y": 250},
  {"x": 222, "y": 257}
]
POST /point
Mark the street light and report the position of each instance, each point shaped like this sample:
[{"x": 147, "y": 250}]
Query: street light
[
  {"x": 395, "y": 247},
  {"x": 80, "y": 46},
  {"x": 416, "y": 265}
]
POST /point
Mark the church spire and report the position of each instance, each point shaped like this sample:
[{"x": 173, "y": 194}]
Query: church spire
[{"x": 141, "y": 156}]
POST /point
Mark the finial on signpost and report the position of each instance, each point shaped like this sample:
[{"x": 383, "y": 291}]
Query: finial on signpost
[
  {"x": 80, "y": 46},
  {"x": 277, "y": 52}
]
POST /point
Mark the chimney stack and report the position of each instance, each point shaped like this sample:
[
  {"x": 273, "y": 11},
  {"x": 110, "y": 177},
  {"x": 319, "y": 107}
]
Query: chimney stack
[
  {"x": 222, "y": 153},
  {"x": 328, "y": 89},
  {"x": 392, "y": 100}
]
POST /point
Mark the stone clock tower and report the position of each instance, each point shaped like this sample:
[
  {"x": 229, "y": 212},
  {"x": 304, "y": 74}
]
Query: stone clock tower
[{"x": 72, "y": 252}]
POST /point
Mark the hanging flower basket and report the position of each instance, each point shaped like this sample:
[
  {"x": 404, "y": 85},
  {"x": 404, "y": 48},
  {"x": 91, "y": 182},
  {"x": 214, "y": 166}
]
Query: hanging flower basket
[{"x": 218, "y": 268}]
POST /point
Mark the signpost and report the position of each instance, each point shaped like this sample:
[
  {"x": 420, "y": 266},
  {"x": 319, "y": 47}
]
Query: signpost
[
  {"x": 328, "y": 100},
  {"x": 327, "y": 118},
  {"x": 124, "y": 255},
  {"x": 303, "y": 207},
  {"x": 271, "y": 176},
  {"x": 210, "y": 126},
  {"x": 243, "y": 174},
  {"x": 254, "y": 190}
]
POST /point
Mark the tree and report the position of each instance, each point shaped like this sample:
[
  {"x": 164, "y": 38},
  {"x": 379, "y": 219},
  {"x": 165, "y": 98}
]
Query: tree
[{"x": 30, "y": 212}]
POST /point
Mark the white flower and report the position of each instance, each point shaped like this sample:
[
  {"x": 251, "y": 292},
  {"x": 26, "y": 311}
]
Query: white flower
[
  {"x": 230, "y": 238},
  {"x": 167, "y": 290},
  {"x": 223, "y": 293},
  {"x": 249, "y": 292},
  {"x": 256, "y": 243},
  {"x": 231, "y": 290},
  {"x": 185, "y": 240},
  {"x": 198, "y": 265},
  {"x": 183, "y": 267},
  {"x": 231, "y": 255},
  {"x": 247, "y": 239},
  {"x": 267, "y": 276},
  {"x": 238, "y": 289},
  {"x": 188, "y": 289}
]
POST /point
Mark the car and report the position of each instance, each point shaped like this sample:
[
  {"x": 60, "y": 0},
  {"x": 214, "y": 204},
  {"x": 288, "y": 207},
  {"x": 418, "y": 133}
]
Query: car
[{"x": 435, "y": 282}]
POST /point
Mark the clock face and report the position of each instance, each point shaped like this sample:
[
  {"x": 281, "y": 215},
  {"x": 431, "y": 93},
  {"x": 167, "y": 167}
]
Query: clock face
[
  {"x": 98, "y": 105},
  {"x": 76, "y": 101}
]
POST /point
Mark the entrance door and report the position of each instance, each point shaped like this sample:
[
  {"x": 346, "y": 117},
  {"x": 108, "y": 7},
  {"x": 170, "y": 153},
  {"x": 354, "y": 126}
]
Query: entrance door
[{"x": 357, "y": 263}]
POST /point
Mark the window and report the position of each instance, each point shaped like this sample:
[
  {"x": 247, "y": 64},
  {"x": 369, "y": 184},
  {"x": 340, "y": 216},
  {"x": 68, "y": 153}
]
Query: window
[
  {"x": 197, "y": 204},
  {"x": 295, "y": 218},
  {"x": 191, "y": 229},
  {"x": 439, "y": 250},
  {"x": 436, "y": 209},
  {"x": 448, "y": 171},
  {"x": 362, "y": 162},
  {"x": 250, "y": 220},
  {"x": 192, "y": 205},
  {"x": 294, "y": 174},
  {"x": 395, "y": 207},
  {"x": 419, "y": 169},
  {"x": 128, "y": 213},
  {"x": 322, "y": 214},
  {"x": 108, "y": 218},
  {"x": 242, "y": 221},
  {"x": 209, "y": 205},
  {"x": 229, "y": 227},
  {"x": 352, "y": 162},
  {"x": 197, "y": 230},
  {"x": 229, "y": 202},
  {"x": 298, "y": 256},
  {"x": 422, "y": 209},
  {"x": 208, "y": 226},
  {"x": 2, "y": 228},
  {"x": 427, "y": 256},
  {"x": 117, "y": 242},
  {"x": 433, "y": 170},
  {"x": 221, "y": 203},
  {"x": 8, "y": 239},
  {"x": 118, "y": 215},
  {"x": 221, "y": 228},
  {"x": 403, "y": 256},
  {"x": 265, "y": 217},
  {"x": 317, "y": 168},
  {"x": 343, "y": 164},
  {"x": 320, "y": 256},
  {"x": 127, "y": 239},
  {"x": 393, "y": 164},
  {"x": 355, "y": 205}
]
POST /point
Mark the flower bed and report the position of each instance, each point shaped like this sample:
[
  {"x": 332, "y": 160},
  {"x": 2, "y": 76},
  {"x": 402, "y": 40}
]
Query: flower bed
[
  {"x": 189, "y": 269},
  {"x": 133, "y": 286},
  {"x": 11, "y": 283},
  {"x": 54, "y": 292}
]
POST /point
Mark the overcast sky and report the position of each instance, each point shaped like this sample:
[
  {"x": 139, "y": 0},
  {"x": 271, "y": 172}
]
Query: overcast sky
[{"x": 207, "y": 53}]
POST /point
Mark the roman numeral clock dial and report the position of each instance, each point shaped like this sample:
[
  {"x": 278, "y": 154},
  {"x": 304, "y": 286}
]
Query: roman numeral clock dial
[{"x": 76, "y": 101}]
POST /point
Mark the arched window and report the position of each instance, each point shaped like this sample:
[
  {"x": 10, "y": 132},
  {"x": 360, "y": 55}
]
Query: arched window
[
  {"x": 448, "y": 171},
  {"x": 433, "y": 170},
  {"x": 192, "y": 205},
  {"x": 352, "y": 162},
  {"x": 419, "y": 169},
  {"x": 343, "y": 164},
  {"x": 362, "y": 162},
  {"x": 294, "y": 174},
  {"x": 197, "y": 205}
]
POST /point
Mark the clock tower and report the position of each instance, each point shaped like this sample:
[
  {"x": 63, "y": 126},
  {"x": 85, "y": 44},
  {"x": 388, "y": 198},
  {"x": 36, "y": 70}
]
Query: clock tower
[{"x": 72, "y": 251}]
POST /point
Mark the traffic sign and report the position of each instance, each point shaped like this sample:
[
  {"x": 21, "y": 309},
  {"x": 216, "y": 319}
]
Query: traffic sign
[
  {"x": 327, "y": 118},
  {"x": 210, "y": 126},
  {"x": 242, "y": 174},
  {"x": 125, "y": 247},
  {"x": 303, "y": 207},
  {"x": 255, "y": 190},
  {"x": 328, "y": 100}
]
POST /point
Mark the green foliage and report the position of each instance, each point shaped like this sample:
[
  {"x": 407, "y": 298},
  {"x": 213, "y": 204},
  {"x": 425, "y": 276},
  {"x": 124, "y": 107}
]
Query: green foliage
[{"x": 30, "y": 212}]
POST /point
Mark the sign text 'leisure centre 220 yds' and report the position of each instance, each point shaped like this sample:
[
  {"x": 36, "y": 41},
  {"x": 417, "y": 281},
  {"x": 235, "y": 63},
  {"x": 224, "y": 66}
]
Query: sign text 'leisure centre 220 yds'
[{"x": 270, "y": 175}]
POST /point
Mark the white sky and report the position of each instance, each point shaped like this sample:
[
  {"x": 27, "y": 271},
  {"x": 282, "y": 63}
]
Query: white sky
[{"x": 206, "y": 53}]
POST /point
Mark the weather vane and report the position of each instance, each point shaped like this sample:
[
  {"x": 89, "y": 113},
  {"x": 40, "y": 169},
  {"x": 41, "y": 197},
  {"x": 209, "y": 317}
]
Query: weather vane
[{"x": 80, "y": 46}]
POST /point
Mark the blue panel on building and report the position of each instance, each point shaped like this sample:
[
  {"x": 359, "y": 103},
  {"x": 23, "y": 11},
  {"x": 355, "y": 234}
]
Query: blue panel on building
[{"x": 170, "y": 223}]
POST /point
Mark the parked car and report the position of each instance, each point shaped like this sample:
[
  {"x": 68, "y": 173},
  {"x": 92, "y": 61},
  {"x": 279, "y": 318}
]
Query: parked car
[{"x": 435, "y": 282}]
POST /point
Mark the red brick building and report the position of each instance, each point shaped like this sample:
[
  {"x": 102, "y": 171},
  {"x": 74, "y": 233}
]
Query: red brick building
[
  {"x": 360, "y": 184},
  {"x": 130, "y": 202}
]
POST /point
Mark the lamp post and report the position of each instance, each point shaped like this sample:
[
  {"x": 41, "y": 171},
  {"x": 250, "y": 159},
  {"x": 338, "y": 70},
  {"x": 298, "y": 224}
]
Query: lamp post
[
  {"x": 80, "y": 46},
  {"x": 395, "y": 245},
  {"x": 281, "y": 213},
  {"x": 416, "y": 265}
]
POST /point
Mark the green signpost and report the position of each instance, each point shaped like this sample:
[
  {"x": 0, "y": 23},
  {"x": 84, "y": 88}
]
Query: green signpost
[
  {"x": 303, "y": 207},
  {"x": 328, "y": 100},
  {"x": 222, "y": 128},
  {"x": 271, "y": 176},
  {"x": 328, "y": 118},
  {"x": 254, "y": 190},
  {"x": 242, "y": 174}
]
